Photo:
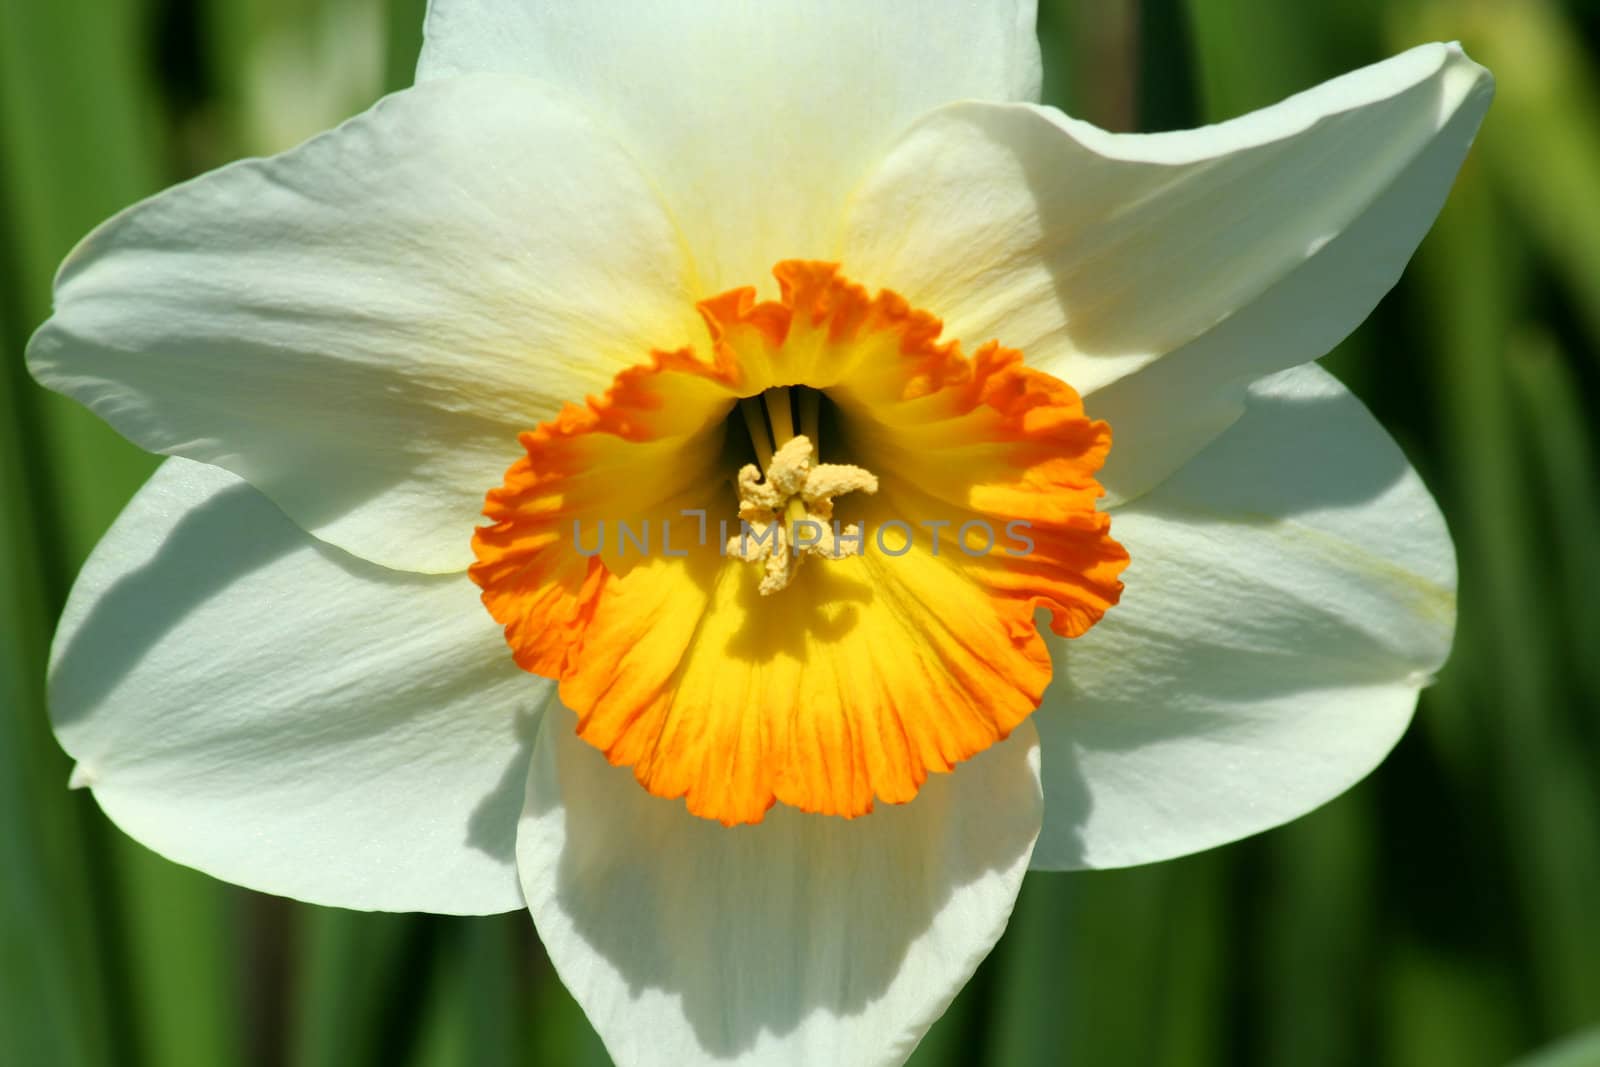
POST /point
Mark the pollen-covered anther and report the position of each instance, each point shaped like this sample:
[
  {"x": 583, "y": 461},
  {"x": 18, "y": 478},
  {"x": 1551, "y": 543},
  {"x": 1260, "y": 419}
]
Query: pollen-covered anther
[{"x": 787, "y": 515}]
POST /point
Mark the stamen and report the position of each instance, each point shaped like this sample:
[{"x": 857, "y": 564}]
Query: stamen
[
  {"x": 794, "y": 490},
  {"x": 810, "y": 415},
  {"x": 756, "y": 423},
  {"x": 777, "y": 401}
]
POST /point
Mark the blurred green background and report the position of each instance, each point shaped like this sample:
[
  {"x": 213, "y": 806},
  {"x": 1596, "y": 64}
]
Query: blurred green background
[{"x": 1446, "y": 911}]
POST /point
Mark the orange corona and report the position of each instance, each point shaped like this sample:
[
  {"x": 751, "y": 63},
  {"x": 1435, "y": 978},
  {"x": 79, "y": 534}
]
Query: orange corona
[{"x": 739, "y": 679}]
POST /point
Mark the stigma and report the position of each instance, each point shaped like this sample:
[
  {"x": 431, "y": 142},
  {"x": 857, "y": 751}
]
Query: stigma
[{"x": 786, "y": 509}]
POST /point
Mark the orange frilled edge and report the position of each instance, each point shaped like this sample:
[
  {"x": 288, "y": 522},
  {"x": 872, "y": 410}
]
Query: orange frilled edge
[{"x": 866, "y": 674}]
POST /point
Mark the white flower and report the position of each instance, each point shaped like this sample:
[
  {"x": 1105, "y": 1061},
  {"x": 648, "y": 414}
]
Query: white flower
[{"x": 275, "y": 669}]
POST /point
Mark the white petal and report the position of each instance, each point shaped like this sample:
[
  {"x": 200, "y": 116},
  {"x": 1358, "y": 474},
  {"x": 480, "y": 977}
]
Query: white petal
[
  {"x": 245, "y": 700},
  {"x": 757, "y": 118},
  {"x": 802, "y": 940},
  {"x": 1161, "y": 274},
  {"x": 1291, "y": 590},
  {"x": 362, "y": 326}
]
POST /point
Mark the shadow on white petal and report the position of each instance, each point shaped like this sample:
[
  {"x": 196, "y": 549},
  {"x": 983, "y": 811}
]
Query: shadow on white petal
[
  {"x": 270, "y": 710},
  {"x": 1290, "y": 590},
  {"x": 825, "y": 940},
  {"x": 489, "y": 829},
  {"x": 201, "y": 556},
  {"x": 1258, "y": 471}
]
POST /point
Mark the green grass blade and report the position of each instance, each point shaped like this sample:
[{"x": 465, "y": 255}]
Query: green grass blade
[
  {"x": 1580, "y": 1050},
  {"x": 1507, "y": 647}
]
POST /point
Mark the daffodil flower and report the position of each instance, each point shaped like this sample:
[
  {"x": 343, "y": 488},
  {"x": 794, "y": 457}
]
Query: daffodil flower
[{"x": 661, "y": 268}]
